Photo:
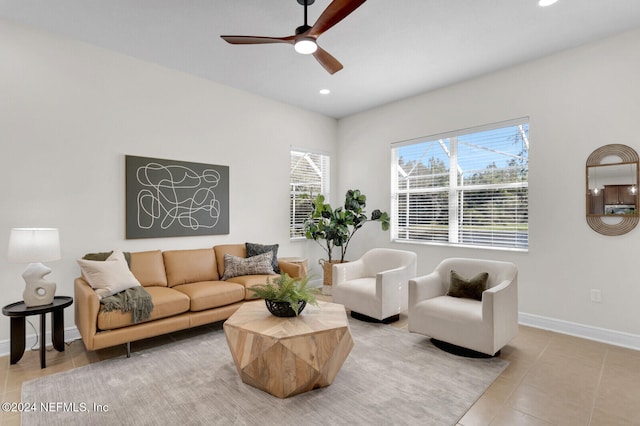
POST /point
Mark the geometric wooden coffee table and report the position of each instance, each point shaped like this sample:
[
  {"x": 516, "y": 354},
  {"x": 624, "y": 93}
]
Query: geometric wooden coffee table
[{"x": 288, "y": 356}]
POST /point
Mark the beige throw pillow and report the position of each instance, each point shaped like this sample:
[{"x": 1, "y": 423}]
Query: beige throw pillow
[{"x": 110, "y": 276}]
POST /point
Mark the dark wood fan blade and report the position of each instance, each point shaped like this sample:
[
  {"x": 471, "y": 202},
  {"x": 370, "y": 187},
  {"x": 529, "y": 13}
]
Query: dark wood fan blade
[
  {"x": 334, "y": 13},
  {"x": 257, "y": 40},
  {"x": 331, "y": 64}
]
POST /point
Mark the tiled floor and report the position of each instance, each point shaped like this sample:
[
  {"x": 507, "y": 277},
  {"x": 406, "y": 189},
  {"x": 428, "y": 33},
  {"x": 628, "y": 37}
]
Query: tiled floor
[{"x": 552, "y": 379}]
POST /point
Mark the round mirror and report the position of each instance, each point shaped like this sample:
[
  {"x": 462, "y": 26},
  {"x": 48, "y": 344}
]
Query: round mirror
[{"x": 612, "y": 189}]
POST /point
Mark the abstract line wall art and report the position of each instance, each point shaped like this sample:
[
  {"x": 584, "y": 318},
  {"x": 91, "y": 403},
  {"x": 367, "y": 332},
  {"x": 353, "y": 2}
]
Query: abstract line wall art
[{"x": 167, "y": 198}]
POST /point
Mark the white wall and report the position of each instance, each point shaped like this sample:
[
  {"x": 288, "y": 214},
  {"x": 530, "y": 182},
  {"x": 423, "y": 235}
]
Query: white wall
[
  {"x": 577, "y": 101},
  {"x": 69, "y": 112}
]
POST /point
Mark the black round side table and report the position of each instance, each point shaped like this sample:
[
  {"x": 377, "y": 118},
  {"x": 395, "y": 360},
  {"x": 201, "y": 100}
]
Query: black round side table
[{"x": 18, "y": 311}]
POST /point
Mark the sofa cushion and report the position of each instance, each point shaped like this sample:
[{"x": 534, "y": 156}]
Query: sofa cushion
[
  {"x": 166, "y": 302},
  {"x": 238, "y": 250},
  {"x": 256, "y": 249},
  {"x": 248, "y": 281},
  {"x": 235, "y": 266},
  {"x": 190, "y": 266},
  {"x": 211, "y": 294},
  {"x": 109, "y": 276},
  {"x": 470, "y": 288},
  {"x": 148, "y": 268}
]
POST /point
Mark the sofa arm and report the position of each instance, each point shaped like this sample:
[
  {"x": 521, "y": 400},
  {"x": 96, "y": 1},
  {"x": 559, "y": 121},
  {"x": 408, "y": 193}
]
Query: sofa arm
[
  {"x": 425, "y": 287},
  {"x": 87, "y": 305},
  {"x": 294, "y": 270}
]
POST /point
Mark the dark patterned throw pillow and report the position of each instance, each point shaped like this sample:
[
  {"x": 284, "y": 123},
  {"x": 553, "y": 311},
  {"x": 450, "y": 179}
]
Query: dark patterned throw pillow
[
  {"x": 256, "y": 265},
  {"x": 256, "y": 249}
]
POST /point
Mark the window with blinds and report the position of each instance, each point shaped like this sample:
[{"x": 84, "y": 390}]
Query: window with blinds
[
  {"x": 468, "y": 187},
  {"x": 309, "y": 176}
]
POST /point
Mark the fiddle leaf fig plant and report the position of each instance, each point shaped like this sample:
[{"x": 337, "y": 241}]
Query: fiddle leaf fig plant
[{"x": 332, "y": 228}]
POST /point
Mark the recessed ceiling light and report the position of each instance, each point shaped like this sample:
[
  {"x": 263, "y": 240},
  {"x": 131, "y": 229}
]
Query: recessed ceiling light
[
  {"x": 545, "y": 3},
  {"x": 325, "y": 91}
]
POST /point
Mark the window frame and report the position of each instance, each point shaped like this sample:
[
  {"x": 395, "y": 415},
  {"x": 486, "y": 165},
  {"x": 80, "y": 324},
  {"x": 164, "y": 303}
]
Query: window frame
[
  {"x": 324, "y": 174},
  {"x": 518, "y": 190}
]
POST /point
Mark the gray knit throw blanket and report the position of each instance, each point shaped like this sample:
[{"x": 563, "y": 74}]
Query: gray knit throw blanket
[{"x": 136, "y": 300}]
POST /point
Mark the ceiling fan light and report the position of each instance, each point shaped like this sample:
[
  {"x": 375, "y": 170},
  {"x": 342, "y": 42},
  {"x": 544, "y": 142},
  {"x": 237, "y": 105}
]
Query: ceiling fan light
[{"x": 306, "y": 46}]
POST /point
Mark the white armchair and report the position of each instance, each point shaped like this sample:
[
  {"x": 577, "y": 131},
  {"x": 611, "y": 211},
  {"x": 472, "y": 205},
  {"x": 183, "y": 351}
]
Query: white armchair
[
  {"x": 376, "y": 285},
  {"x": 484, "y": 326}
]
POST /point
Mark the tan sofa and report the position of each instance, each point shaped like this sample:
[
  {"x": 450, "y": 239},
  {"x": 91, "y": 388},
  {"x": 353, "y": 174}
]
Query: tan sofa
[{"x": 186, "y": 289}]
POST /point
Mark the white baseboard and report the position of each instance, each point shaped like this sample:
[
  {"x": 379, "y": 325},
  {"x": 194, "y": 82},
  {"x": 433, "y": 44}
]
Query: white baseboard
[
  {"x": 612, "y": 337},
  {"x": 315, "y": 283},
  {"x": 70, "y": 334}
]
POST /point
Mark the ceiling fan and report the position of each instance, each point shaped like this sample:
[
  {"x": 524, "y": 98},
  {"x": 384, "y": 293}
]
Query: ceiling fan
[{"x": 304, "y": 40}]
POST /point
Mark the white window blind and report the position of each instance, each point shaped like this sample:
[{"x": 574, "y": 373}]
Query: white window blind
[
  {"x": 468, "y": 187},
  {"x": 309, "y": 177}
]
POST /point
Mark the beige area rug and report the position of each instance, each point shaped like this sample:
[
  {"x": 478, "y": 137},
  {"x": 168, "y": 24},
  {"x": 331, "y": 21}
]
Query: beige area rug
[{"x": 391, "y": 377}]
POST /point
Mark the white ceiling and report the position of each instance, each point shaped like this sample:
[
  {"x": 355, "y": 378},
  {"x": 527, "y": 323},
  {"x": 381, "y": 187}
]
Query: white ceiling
[{"x": 389, "y": 49}]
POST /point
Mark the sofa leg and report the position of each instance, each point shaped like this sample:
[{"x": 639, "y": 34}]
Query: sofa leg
[{"x": 128, "y": 346}]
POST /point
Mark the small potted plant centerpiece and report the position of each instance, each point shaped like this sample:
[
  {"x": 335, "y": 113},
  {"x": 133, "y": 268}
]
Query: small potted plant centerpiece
[{"x": 286, "y": 296}]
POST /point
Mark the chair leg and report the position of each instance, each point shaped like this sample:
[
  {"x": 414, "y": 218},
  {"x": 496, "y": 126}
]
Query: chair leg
[
  {"x": 128, "y": 346},
  {"x": 366, "y": 318},
  {"x": 392, "y": 318},
  {"x": 459, "y": 350}
]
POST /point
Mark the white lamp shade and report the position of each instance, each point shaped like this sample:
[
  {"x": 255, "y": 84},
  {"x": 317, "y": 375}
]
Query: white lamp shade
[{"x": 29, "y": 245}]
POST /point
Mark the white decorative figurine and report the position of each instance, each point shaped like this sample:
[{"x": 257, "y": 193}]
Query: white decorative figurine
[{"x": 38, "y": 290}]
